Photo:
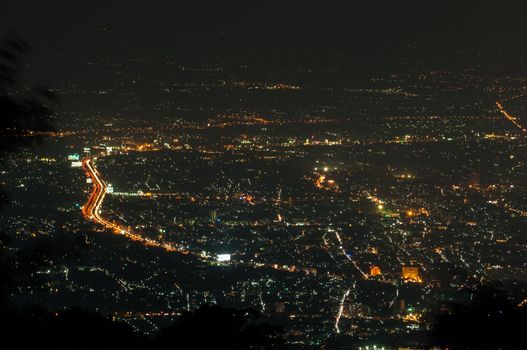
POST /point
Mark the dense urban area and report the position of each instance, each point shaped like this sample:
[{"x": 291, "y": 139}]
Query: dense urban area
[
  {"x": 333, "y": 220},
  {"x": 349, "y": 185}
]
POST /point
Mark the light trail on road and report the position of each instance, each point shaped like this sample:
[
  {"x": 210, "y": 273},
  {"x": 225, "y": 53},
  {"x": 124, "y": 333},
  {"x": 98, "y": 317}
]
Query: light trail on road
[
  {"x": 341, "y": 309},
  {"x": 92, "y": 211},
  {"x": 346, "y": 255},
  {"x": 511, "y": 118}
]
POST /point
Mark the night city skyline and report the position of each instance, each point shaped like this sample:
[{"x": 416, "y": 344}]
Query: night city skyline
[{"x": 267, "y": 176}]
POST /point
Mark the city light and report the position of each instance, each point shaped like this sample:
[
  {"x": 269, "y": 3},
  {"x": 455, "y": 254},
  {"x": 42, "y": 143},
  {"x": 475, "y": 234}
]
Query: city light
[
  {"x": 223, "y": 257},
  {"x": 345, "y": 177}
]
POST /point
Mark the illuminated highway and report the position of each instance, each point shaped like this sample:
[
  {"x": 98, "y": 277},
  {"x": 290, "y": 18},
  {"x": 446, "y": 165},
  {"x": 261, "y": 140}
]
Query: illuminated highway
[
  {"x": 92, "y": 211},
  {"x": 510, "y": 117},
  {"x": 341, "y": 310}
]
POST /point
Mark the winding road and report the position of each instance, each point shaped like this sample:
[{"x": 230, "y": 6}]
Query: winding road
[{"x": 92, "y": 211}]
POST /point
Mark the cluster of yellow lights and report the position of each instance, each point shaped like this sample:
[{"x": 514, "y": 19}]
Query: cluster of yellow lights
[
  {"x": 412, "y": 317},
  {"x": 319, "y": 182},
  {"x": 415, "y": 212},
  {"x": 247, "y": 198},
  {"x": 322, "y": 183}
]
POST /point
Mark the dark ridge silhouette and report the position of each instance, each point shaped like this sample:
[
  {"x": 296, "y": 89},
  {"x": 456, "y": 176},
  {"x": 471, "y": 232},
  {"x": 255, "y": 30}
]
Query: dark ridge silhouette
[
  {"x": 213, "y": 326},
  {"x": 67, "y": 329},
  {"x": 24, "y": 112},
  {"x": 205, "y": 328},
  {"x": 491, "y": 320}
]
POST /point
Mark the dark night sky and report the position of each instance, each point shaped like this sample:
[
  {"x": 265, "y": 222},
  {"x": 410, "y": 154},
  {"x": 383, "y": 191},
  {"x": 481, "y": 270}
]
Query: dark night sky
[{"x": 379, "y": 32}]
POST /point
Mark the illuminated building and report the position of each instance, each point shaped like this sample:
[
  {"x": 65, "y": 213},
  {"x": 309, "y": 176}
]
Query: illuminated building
[
  {"x": 109, "y": 188},
  {"x": 375, "y": 271},
  {"x": 411, "y": 274},
  {"x": 223, "y": 257}
]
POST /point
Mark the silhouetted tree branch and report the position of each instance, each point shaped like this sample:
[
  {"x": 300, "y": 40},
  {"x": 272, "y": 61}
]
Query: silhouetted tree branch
[{"x": 24, "y": 114}]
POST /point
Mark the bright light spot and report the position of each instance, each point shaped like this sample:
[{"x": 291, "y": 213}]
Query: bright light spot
[
  {"x": 380, "y": 207},
  {"x": 223, "y": 257}
]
